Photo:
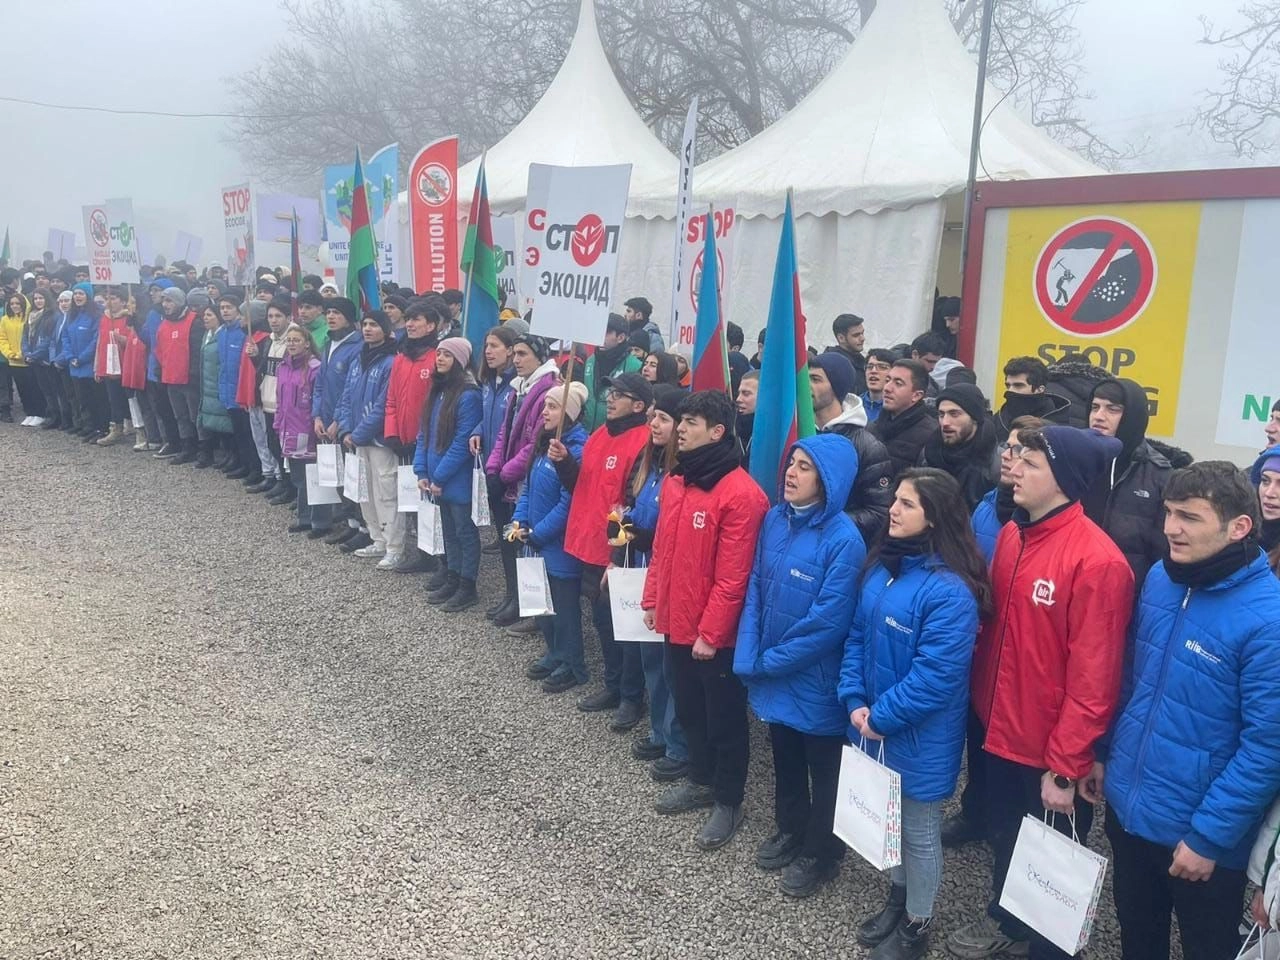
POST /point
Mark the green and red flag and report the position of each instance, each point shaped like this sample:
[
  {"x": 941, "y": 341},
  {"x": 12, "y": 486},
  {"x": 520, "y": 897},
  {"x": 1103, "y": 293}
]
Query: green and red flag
[
  {"x": 362, "y": 254},
  {"x": 479, "y": 265}
]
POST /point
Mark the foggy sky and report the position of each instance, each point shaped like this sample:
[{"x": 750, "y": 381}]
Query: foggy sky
[{"x": 1141, "y": 57}]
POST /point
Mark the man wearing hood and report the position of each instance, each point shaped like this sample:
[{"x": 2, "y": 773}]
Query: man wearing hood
[
  {"x": 606, "y": 363},
  {"x": 964, "y": 444},
  {"x": 1025, "y": 383},
  {"x": 1127, "y": 500},
  {"x": 837, "y": 408},
  {"x": 311, "y": 314},
  {"x": 178, "y": 340}
]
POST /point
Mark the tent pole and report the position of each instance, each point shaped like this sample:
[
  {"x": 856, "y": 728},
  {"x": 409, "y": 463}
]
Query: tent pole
[{"x": 975, "y": 138}]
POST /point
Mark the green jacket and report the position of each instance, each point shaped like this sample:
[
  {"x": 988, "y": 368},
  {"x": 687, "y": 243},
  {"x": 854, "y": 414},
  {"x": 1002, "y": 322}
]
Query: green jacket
[
  {"x": 593, "y": 413},
  {"x": 213, "y": 415},
  {"x": 319, "y": 328}
]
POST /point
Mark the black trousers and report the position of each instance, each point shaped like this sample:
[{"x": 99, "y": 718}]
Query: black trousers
[
  {"x": 806, "y": 773},
  {"x": 623, "y": 671},
  {"x": 975, "y": 788},
  {"x": 33, "y": 401},
  {"x": 158, "y": 400},
  {"x": 93, "y": 402},
  {"x": 1146, "y": 896},
  {"x": 79, "y": 415},
  {"x": 50, "y": 382},
  {"x": 1013, "y": 791},
  {"x": 711, "y": 704},
  {"x": 246, "y": 449}
]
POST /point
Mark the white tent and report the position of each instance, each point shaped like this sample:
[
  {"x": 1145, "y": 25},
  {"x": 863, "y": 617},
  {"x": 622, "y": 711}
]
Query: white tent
[{"x": 873, "y": 154}]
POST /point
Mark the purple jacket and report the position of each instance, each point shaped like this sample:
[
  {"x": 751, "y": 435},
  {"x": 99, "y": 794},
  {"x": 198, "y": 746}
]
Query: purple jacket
[
  {"x": 509, "y": 459},
  {"x": 295, "y": 382}
]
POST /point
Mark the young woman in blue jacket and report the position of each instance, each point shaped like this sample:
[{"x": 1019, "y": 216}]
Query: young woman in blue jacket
[
  {"x": 496, "y": 374},
  {"x": 790, "y": 640},
  {"x": 904, "y": 683},
  {"x": 541, "y": 513},
  {"x": 442, "y": 463}
]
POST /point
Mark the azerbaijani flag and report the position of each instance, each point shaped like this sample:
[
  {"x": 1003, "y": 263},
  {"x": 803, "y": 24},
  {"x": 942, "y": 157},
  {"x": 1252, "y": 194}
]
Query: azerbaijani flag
[
  {"x": 784, "y": 406},
  {"x": 362, "y": 254},
  {"x": 295, "y": 261},
  {"x": 710, "y": 349},
  {"x": 480, "y": 298}
]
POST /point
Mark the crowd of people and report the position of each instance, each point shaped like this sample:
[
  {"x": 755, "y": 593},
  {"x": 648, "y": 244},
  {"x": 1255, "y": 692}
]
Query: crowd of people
[{"x": 1034, "y": 592}]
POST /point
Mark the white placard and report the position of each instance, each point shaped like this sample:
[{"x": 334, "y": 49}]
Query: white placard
[
  {"x": 684, "y": 202},
  {"x": 694, "y": 245},
  {"x": 237, "y": 226}
]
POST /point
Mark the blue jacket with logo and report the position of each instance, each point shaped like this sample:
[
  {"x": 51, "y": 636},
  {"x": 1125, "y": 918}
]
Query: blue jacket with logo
[
  {"x": 543, "y": 506},
  {"x": 334, "y": 364},
  {"x": 230, "y": 347},
  {"x": 986, "y": 525},
  {"x": 907, "y": 659},
  {"x": 450, "y": 468},
  {"x": 361, "y": 411},
  {"x": 798, "y": 606},
  {"x": 1195, "y": 748},
  {"x": 80, "y": 342},
  {"x": 495, "y": 394}
]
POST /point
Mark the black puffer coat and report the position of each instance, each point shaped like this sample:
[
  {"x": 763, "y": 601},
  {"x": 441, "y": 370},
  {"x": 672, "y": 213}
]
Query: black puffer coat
[
  {"x": 872, "y": 493},
  {"x": 1074, "y": 382},
  {"x": 905, "y": 434}
]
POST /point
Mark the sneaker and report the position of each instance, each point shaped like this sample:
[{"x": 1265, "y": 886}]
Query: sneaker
[
  {"x": 778, "y": 851},
  {"x": 413, "y": 560},
  {"x": 625, "y": 717},
  {"x": 372, "y": 551},
  {"x": 26, "y": 422},
  {"x": 958, "y": 830},
  {"x": 358, "y": 542},
  {"x": 559, "y": 682},
  {"x": 984, "y": 938},
  {"x": 605, "y": 699},
  {"x": 388, "y": 562},
  {"x": 340, "y": 534},
  {"x": 154, "y": 447},
  {"x": 646, "y": 750},
  {"x": 463, "y": 598},
  {"x": 804, "y": 875},
  {"x": 167, "y": 450},
  {"x": 318, "y": 533},
  {"x": 684, "y": 797},
  {"x": 720, "y": 826},
  {"x": 668, "y": 770}
]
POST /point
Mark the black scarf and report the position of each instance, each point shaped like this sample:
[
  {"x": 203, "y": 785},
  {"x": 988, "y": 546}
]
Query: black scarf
[
  {"x": 623, "y": 424},
  {"x": 709, "y": 464},
  {"x": 369, "y": 354},
  {"x": 1214, "y": 569},
  {"x": 890, "y": 425},
  {"x": 894, "y": 549},
  {"x": 607, "y": 358},
  {"x": 1004, "y": 504},
  {"x": 1269, "y": 534},
  {"x": 415, "y": 348}
]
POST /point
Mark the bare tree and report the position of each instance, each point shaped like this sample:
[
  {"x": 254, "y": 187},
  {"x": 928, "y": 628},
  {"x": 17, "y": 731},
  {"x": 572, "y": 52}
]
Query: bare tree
[{"x": 1244, "y": 111}]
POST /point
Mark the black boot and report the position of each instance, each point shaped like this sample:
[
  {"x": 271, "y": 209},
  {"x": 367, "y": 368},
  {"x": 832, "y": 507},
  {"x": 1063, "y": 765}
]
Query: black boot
[
  {"x": 463, "y": 597},
  {"x": 509, "y": 614},
  {"x": 438, "y": 579},
  {"x": 880, "y": 927},
  {"x": 204, "y": 459},
  {"x": 188, "y": 454},
  {"x": 451, "y": 585},
  {"x": 909, "y": 942}
]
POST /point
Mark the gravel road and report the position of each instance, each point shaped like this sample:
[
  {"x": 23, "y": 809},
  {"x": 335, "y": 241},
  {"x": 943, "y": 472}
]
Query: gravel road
[{"x": 221, "y": 742}]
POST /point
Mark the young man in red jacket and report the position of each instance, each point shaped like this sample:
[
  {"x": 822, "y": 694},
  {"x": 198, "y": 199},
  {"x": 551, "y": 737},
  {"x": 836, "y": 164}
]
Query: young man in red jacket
[
  {"x": 1047, "y": 666},
  {"x": 708, "y": 519},
  {"x": 597, "y": 487}
]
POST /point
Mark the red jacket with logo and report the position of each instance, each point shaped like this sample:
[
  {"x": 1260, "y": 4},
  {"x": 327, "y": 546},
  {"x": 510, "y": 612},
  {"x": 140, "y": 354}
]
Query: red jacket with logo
[
  {"x": 406, "y": 393},
  {"x": 606, "y": 464},
  {"x": 1047, "y": 667},
  {"x": 110, "y": 330},
  {"x": 702, "y": 555}
]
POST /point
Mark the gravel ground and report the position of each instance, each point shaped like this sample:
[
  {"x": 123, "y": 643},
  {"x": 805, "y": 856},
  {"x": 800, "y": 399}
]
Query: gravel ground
[{"x": 221, "y": 742}]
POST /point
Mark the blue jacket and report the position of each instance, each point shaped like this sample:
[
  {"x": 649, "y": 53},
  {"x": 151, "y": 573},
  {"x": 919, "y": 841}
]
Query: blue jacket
[
  {"x": 230, "y": 347},
  {"x": 80, "y": 343},
  {"x": 543, "y": 507},
  {"x": 495, "y": 395},
  {"x": 799, "y": 600},
  {"x": 1195, "y": 747},
  {"x": 908, "y": 659},
  {"x": 335, "y": 361},
  {"x": 872, "y": 407},
  {"x": 986, "y": 525},
  {"x": 36, "y": 339},
  {"x": 60, "y": 325},
  {"x": 450, "y": 468},
  {"x": 362, "y": 410}
]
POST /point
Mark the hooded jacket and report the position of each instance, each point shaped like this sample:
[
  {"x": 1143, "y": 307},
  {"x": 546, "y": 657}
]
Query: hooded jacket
[
  {"x": 986, "y": 522},
  {"x": 1074, "y": 381},
  {"x": 361, "y": 413},
  {"x": 905, "y": 434},
  {"x": 797, "y": 612},
  {"x": 975, "y": 464},
  {"x": 80, "y": 340},
  {"x": 703, "y": 551},
  {"x": 450, "y": 468},
  {"x": 335, "y": 362},
  {"x": 213, "y": 412},
  {"x": 522, "y": 422},
  {"x": 1195, "y": 750},
  {"x": 296, "y": 379},
  {"x": 604, "y": 364},
  {"x": 872, "y": 493},
  {"x": 606, "y": 463},
  {"x": 12, "y": 330},
  {"x": 407, "y": 390},
  {"x": 908, "y": 659},
  {"x": 1046, "y": 669},
  {"x": 543, "y": 506}
]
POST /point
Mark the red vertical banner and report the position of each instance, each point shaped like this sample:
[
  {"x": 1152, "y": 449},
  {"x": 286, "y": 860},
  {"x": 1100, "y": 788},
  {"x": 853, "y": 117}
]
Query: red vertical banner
[{"x": 433, "y": 216}]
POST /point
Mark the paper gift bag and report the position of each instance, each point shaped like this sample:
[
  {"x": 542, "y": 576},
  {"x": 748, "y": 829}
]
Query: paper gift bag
[
  {"x": 318, "y": 495},
  {"x": 626, "y": 588},
  {"x": 534, "y": 588},
  {"x": 430, "y": 529},
  {"x": 408, "y": 496},
  {"x": 355, "y": 478},
  {"x": 329, "y": 464},
  {"x": 869, "y": 808},
  {"x": 1260, "y": 945},
  {"x": 1054, "y": 884},
  {"x": 113, "y": 358},
  {"x": 479, "y": 496}
]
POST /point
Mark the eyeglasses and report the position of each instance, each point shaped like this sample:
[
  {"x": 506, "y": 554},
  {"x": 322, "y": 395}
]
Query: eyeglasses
[
  {"x": 1013, "y": 449},
  {"x": 618, "y": 395},
  {"x": 877, "y": 365}
]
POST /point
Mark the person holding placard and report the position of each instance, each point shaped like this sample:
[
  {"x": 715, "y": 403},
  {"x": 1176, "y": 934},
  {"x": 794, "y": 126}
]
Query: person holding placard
[
  {"x": 539, "y": 521},
  {"x": 442, "y": 463},
  {"x": 794, "y": 625},
  {"x": 904, "y": 682},
  {"x": 296, "y": 378}
]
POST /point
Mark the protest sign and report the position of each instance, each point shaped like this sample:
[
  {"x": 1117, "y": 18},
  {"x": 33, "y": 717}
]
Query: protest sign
[
  {"x": 684, "y": 201},
  {"x": 693, "y": 244},
  {"x": 382, "y": 178},
  {"x": 237, "y": 224},
  {"x": 433, "y": 215},
  {"x": 111, "y": 242}
]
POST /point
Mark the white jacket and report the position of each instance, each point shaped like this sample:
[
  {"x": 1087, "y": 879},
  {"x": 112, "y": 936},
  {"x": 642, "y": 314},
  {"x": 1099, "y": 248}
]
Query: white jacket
[{"x": 1264, "y": 863}]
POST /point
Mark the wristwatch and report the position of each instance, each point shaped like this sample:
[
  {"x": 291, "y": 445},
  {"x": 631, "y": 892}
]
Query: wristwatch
[{"x": 1061, "y": 782}]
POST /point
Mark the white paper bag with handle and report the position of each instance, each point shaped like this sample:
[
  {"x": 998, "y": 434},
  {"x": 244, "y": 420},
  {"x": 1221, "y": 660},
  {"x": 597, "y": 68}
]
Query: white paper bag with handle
[
  {"x": 113, "y": 358},
  {"x": 317, "y": 494},
  {"x": 534, "y": 587},
  {"x": 1054, "y": 884},
  {"x": 430, "y": 529},
  {"x": 479, "y": 496},
  {"x": 408, "y": 496},
  {"x": 355, "y": 478},
  {"x": 869, "y": 808},
  {"x": 329, "y": 464},
  {"x": 626, "y": 589}
]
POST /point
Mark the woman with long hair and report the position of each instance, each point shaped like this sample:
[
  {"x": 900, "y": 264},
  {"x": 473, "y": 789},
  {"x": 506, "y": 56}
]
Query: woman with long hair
[
  {"x": 295, "y": 385},
  {"x": 38, "y": 350},
  {"x": 79, "y": 347},
  {"x": 442, "y": 463},
  {"x": 1266, "y": 478},
  {"x": 13, "y": 326},
  {"x": 905, "y": 683},
  {"x": 496, "y": 375},
  {"x": 661, "y": 368}
]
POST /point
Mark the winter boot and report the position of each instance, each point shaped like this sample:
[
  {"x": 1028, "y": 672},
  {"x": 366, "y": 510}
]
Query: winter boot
[
  {"x": 114, "y": 436},
  {"x": 463, "y": 598},
  {"x": 447, "y": 589},
  {"x": 882, "y": 926},
  {"x": 188, "y": 454},
  {"x": 139, "y": 439}
]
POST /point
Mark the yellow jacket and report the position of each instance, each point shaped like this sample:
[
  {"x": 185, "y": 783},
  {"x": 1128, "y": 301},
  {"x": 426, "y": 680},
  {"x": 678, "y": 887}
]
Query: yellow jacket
[{"x": 11, "y": 335}]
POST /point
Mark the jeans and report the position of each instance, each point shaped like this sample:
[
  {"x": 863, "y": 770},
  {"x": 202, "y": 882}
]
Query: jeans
[
  {"x": 161, "y": 425},
  {"x": 806, "y": 774},
  {"x": 563, "y": 632},
  {"x": 664, "y": 728},
  {"x": 921, "y": 868},
  {"x": 379, "y": 511},
  {"x": 117, "y": 402},
  {"x": 1146, "y": 896},
  {"x": 184, "y": 401},
  {"x": 462, "y": 541},
  {"x": 79, "y": 416},
  {"x": 712, "y": 706},
  {"x": 623, "y": 672},
  {"x": 242, "y": 435}
]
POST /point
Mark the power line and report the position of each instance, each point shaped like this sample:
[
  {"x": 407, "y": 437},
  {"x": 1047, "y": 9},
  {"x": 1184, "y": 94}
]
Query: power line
[{"x": 164, "y": 113}]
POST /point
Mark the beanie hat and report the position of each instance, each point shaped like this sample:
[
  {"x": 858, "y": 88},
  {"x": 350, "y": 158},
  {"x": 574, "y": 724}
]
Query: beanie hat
[
  {"x": 381, "y": 318},
  {"x": 668, "y": 398},
  {"x": 343, "y": 306},
  {"x": 639, "y": 341},
  {"x": 1077, "y": 457},
  {"x": 839, "y": 372},
  {"x": 459, "y": 348},
  {"x": 198, "y": 299},
  {"x": 1269, "y": 459},
  {"x": 174, "y": 294},
  {"x": 573, "y": 401},
  {"x": 536, "y": 344},
  {"x": 517, "y": 327},
  {"x": 64, "y": 295},
  {"x": 257, "y": 313},
  {"x": 968, "y": 398}
]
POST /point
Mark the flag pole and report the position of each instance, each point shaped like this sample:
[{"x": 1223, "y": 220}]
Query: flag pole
[
  {"x": 975, "y": 136},
  {"x": 471, "y": 267}
]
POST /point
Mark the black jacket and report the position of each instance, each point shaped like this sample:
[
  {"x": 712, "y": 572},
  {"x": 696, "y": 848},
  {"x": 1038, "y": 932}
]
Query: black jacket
[
  {"x": 1046, "y": 406},
  {"x": 905, "y": 434},
  {"x": 872, "y": 493},
  {"x": 1074, "y": 382},
  {"x": 975, "y": 465}
]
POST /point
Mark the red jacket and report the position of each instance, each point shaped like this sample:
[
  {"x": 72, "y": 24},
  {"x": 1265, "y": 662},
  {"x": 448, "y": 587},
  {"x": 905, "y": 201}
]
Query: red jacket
[
  {"x": 406, "y": 393},
  {"x": 176, "y": 346},
  {"x": 247, "y": 395},
  {"x": 109, "y": 329},
  {"x": 1047, "y": 667},
  {"x": 606, "y": 464},
  {"x": 702, "y": 555}
]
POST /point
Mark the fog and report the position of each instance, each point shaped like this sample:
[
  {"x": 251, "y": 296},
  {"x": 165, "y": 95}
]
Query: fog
[{"x": 1142, "y": 60}]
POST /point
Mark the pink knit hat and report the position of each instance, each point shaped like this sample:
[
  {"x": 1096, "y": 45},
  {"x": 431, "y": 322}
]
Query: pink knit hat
[{"x": 459, "y": 348}]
